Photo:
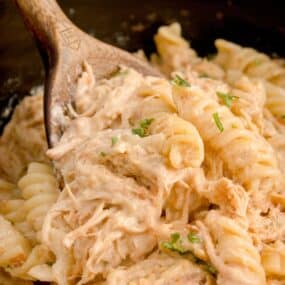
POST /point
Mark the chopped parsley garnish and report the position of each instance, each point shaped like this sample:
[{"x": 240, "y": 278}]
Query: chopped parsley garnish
[
  {"x": 114, "y": 140},
  {"x": 139, "y": 131},
  {"x": 103, "y": 154},
  {"x": 205, "y": 265},
  {"x": 218, "y": 122},
  {"x": 179, "y": 81},
  {"x": 227, "y": 98},
  {"x": 142, "y": 130},
  {"x": 283, "y": 117},
  {"x": 174, "y": 244},
  {"x": 193, "y": 238},
  {"x": 146, "y": 123}
]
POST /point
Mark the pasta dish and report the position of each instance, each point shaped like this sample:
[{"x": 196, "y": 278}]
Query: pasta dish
[{"x": 174, "y": 180}]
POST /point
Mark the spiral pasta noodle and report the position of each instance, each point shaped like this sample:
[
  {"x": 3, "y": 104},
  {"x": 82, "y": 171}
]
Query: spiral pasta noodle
[
  {"x": 39, "y": 256},
  {"x": 273, "y": 259},
  {"x": 13, "y": 210},
  {"x": 275, "y": 99},
  {"x": 8, "y": 190},
  {"x": 40, "y": 190},
  {"x": 183, "y": 145},
  {"x": 249, "y": 104},
  {"x": 249, "y": 157},
  {"x": 6, "y": 279},
  {"x": 12, "y": 206},
  {"x": 177, "y": 181},
  {"x": 156, "y": 97},
  {"x": 231, "y": 250},
  {"x": 249, "y": 61},
  {"x": 262, "y": 92},
  {"x": 257, "y": 65},
  {"x": 14, "y": 248},
  {"x": 175, "y": 53}
]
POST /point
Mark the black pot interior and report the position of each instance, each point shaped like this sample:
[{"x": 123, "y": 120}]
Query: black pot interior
[{"x": 131, "y": 25}]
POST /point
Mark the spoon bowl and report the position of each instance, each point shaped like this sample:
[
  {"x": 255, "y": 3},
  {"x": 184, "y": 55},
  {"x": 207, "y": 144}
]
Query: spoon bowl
[{"x": 65, "y": 49}]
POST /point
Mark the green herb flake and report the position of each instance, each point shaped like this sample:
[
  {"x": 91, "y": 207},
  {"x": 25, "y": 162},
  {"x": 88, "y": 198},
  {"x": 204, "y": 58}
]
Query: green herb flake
[
  {"x": 179, "y": 81},
  {"x": 139, "y": 131},
  {"x": 234, "y": 126},
  {"x": 218, "y": 122},
  {"x": 204, "y": 265},
  {"x": 175, "y": 237},
  {"x": 167, "y": 245},
  {"x": 144, "y": 125},
  {"x": 174, "y": 244},
  {"x": 227, "y": 98},
  {"x": 193, "y": 238},
  {"x": 103, "y": 154},
  {"x": 114, "y": 140},
  {"x": 283, "y": 117}
]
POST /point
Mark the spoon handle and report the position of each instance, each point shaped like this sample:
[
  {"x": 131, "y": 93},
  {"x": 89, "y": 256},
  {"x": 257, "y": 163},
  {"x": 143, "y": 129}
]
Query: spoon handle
[{"x": 49, "y": 25}]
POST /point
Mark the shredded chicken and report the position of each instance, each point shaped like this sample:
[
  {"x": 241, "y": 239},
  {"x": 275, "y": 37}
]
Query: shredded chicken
[{"x": 154, "y": 181}]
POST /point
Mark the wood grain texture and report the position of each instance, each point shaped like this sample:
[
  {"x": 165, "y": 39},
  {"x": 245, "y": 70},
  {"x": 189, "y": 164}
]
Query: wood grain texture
[
  {"x": 131, "y": 25},
  {"x": 65, "y": 49}
]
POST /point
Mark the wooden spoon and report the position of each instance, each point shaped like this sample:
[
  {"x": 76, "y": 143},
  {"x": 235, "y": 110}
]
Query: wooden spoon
[{"x": 64, "y": 49}]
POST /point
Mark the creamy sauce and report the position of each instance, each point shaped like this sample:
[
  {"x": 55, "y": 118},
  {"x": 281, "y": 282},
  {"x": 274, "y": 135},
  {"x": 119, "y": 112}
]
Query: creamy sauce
[{"x": 164, "y": 181}]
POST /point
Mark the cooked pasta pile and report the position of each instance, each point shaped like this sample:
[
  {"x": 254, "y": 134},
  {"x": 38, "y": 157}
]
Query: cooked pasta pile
[{"x": 175, "y": 180}]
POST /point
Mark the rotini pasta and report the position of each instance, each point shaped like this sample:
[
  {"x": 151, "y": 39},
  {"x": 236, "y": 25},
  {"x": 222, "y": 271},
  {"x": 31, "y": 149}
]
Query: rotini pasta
[
  {"x": 249, "y": 61},
  {"x": 175, "y": 53},
  {"x": 13, "y": 210},
  {"x": 232, "y": 251},
  {"x": 39, "y": 256},
  {"x": 249, "y": 157},
  {"x": 173, "y": 50},
  {"x": 8, "y": 190},
  {"x": 183, "y": 145},
  {"x": 177, "y": 181},
  {"x": 273, "y": 259},
  {"x": 23, "y": 141},
  {"x": 40, "y": 190},
  {"x": 6, "y": 279},
  {"x": 14, "y": 248},
  {"x": 275, "y": 99},
  {"x": 182, "y": 201},
  {"x": 249, "y": 102},
  {"x": 256, "y": 65}
]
